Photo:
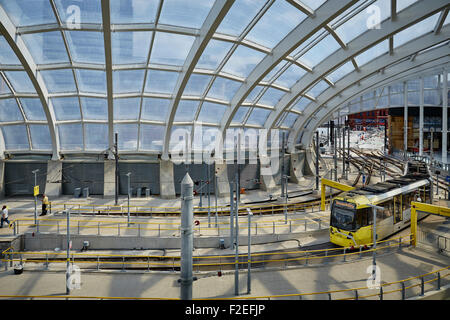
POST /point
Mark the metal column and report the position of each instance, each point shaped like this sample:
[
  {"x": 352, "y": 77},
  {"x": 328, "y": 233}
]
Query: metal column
[
  {"x": 187, "y": 241},
  {"x": 444, "y": 115},
  {"x": 116, "y": 177},
  {"x": 405, "y": 119},
  {"x": 421, "y": 118},
  {"x": 317, "y": 160}
]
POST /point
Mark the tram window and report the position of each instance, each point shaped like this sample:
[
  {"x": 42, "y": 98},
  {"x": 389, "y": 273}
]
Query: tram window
[
  {"x": 388, "y": 208},
  {"x": 362, "y": 217}
]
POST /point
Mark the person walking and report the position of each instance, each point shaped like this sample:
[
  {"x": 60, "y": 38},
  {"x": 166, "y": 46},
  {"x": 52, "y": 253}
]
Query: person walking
[
  {"x": 4, "y": 216},
  {"x": 44, "y": 205}
]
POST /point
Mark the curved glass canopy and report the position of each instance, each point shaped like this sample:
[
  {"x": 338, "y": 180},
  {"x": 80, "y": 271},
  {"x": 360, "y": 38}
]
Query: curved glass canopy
[{"x": 73, "y": 73}]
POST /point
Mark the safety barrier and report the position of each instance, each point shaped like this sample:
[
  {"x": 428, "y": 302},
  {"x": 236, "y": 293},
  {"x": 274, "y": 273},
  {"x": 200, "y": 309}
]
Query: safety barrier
[
  {"x": 150, "y": 210},
  {"x": 217, "y": 262},
  {"x": 328, "y": 295},
  {"x": 154, "y": 228}
]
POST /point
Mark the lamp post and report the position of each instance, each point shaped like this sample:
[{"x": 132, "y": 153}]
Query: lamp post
[
  {"x": 374, "y": 233},
  {"x": 128, "y": 194},
  {"x": 35, "y": 195},
  {"x": 68, "y": 253},
  {"x": 249, "y": 259}
]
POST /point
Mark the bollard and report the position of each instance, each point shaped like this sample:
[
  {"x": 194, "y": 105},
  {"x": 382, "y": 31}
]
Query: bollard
[
  {"x": 403, "y": 291},
  {"x": 422, "y": 286},
  {"x": 305, "y": 225},
  {"x": 187, "y": 239},
  {"x": 37, "y": 226},
  {"x": 438, "y": 281},
  {"x": 159, "y": 230},
  {"x": 46, "y": 261},
  {"x": 118, "y": 229},
  {"x": 360, "y": 252},
  {"x": 356, "y": 294},
  {"x": 290, "y": 226},
  {"x": 381, "y": 293},
  {"x": 329, "y": 296},
  {"x": 320, "y": 223},
  {"x": 98, "y": 263}
]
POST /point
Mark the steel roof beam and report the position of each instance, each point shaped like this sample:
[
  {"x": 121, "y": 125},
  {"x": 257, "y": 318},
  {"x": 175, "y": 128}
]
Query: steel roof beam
[
  {"x": 211, "y": 23},
  {"x": 9, "y": 31},
  {"x": 388, "y": 28}
]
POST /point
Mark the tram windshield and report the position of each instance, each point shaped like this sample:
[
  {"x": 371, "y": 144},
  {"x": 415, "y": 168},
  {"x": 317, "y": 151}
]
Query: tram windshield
[{"x": 343, "y": 215}]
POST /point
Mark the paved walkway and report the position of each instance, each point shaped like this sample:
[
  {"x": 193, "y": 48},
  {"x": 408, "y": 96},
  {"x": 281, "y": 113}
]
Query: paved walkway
[{"x": 409, "y": 262}]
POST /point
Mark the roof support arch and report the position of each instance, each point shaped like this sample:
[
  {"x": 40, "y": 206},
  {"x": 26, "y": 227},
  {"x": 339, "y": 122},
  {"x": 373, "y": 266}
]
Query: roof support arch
[
  {"x": 301, "y": 33},
  {"x": 9, "y": 31},
  {"x": 217, "y": 13},
  {"x": 387, "y": 29}
]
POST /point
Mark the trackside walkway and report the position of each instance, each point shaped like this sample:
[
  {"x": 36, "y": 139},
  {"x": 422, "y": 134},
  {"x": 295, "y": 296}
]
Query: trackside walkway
[{"x": 407, "y": 263}]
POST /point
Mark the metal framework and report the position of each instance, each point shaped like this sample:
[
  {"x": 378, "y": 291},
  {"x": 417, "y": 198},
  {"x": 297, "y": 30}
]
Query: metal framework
[{"x": 229, "y": 50}]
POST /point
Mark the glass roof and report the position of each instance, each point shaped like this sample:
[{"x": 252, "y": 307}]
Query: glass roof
[{"x": 68, "y": 81}]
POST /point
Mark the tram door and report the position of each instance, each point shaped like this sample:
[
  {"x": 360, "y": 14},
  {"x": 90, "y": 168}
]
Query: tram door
[{"x": 397, "y": 209}]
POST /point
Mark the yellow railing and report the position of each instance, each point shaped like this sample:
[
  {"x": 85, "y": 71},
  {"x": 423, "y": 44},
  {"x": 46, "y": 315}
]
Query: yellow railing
[
  {"x": 267, "y": 297},
  {"x": 306, "y": 255}
]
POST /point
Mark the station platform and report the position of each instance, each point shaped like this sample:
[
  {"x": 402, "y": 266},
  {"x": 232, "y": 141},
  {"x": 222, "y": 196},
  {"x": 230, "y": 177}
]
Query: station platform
[{"x": 265, "y": 284}]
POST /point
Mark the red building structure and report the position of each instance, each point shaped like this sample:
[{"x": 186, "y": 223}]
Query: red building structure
[{"x": 374, "y": 118}]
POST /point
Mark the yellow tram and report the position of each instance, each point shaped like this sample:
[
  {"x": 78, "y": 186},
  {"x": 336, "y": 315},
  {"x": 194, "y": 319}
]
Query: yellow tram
[{"x": 351, "y": 221}]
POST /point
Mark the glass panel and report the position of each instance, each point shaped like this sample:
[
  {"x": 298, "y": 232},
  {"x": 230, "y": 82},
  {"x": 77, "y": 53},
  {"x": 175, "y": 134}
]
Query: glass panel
[
  {"x": 185, "y": 13},
  {"x": 269, "y": 77},
  {"x": 240, "y": 115},
  {"x": 151, "y": 137},
  {"x": 397, "y": 99},
  {"x": 3, "y": 86},
  {"x": 66, "y": 108},
  {"x": 372, "y": 53},
  {"x": 40, "y": 137},
  {"x": 85, "y": 11},
  {"x": 170, "y": 48},
  {"x": 208, "y": 136},
  {"x": 94, "y": 108},
  {"x": 280, "y": 14},
  {"x": 239, "y": 16},
  {"x": 186, "y": 110},
  {"x": 258, "y": 116},
  {"x": 290, "y": 76},
  {"x": 368, "y": 95},
  {"x": 33, "y": 109},
  {"x": 60, "y": 80},
  {"x": 254, "y": 93},
  {"x": 413, "y": 85},
  {"x": 7, "y": 55},
  {"x": 413, "y": 98},
  {"x": 126, "y": 108},
  {"x": 397, "y": 87},
  {"x": 27, "y": 13},
  {"x": 86, "y": 46},
  {"x": 133, "y": 11},
  {"x": 415, "y": 31},
  {"x": 9, "y": 111},
  {"x": 155, "y": 109},
  {"x": 46, "y": 47},
  {"x": 211, "y": 112},
  {"x": 127, "y": 135},
  {"x": 16, "y": 137},
  {"x": 313, "y": 4},
  {"x": 318, "y": 88},
  {"x": 91, "y": 81},
  {"x": 213, "y": 54},
  {"x": 178, "y": 135},
  {"x": 289, "y": 120},
  {"x": 130, "y": 47},
  {"x": 320, "y": 51},
  {"x": 96, "y": 136},
  {"x": 341, "y": 72},
  {"x": 382, "y": 102},
  {"x": 242, "y": 62},
  {"x": 223, "y": 89},
  {"x": 128, "y": 81},
  {"x": 403, "y": 4},
  {"x": 271, "y": 96},
  {"x": 70, "y": 136},
  {"x": 20, "y": 81},
  {"x": 196, "y": 85},
  {"x": 301, "y": 104},
  {"x": 361, "y": 22},
  {"x": 432, "y": 97},
  {"x": 431, "y": 82},
  {"x": 161, "y": 81}
]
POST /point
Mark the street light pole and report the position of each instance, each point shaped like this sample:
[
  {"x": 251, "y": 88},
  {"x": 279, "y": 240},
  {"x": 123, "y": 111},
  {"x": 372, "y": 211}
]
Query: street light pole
[
  {"x": 129, "y": 187},
  {"x": 116, "y": 177},
  {"x": 374, "y": 234},
  {"x": 68, "y": 253},
  {"x": 249, "y": 259},
  {"x": 35, "y": 196}
]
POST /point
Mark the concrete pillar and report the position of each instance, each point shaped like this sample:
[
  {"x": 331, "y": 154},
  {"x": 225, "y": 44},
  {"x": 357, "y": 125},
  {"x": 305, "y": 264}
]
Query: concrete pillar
[
  {"x": 444, "y": 115},
  {"x": 2, "y": 179},
  {"x": 166, "y": 180},
  {"x": 309, "y": 163},
  {"x": 421, "y": 103},
  {"x": 109, "y": 182},
  {"x": 267, "y": 181},
  {"x": 53, "y": 183},
  {"x": 296, "y": 167},
  {"x": 223, "y": 185}
]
